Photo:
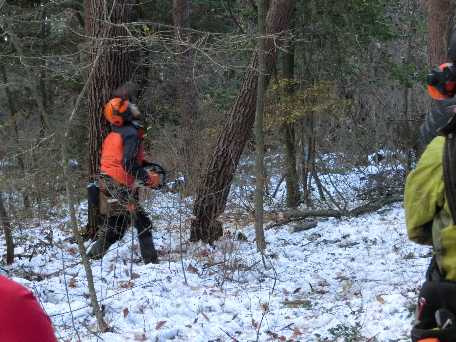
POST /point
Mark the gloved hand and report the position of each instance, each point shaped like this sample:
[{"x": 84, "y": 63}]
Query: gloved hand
[
  {"x": 154, "y": 180},
  {"x": 157, "y": 173}
]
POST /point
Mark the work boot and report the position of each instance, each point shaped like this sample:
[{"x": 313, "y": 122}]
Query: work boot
[
  {"x": 146, "y": 243},
  {"x": 148, "y": 252}
]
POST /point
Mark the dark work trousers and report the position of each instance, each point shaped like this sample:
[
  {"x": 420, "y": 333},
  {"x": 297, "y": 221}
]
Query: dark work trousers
[{"x": 118, "y": 218}]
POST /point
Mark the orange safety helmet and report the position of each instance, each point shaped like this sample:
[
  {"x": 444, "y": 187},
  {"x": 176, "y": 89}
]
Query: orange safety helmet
[
  {"x": 113, "y": 111},
  {"x": 445, "y": 91}
]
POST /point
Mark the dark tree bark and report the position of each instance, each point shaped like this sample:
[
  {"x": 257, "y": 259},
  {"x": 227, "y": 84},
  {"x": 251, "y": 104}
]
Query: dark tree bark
[
  {"x": 114, "y": 68},
  {"x": 6, "y": 226},
  {"x": 289, "y": 138},
  {"x": 259, "y": 130},
  {"x": 439, "y": 19},
  {"x": 214, "y": 186},
  {"x": 187, "y": 96},
  {"x": 115, "y": 64},
  {"x": 13, "y": 114}
]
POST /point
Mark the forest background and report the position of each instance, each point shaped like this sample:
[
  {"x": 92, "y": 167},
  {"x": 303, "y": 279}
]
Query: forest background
[
  {"x": 345, "y": 91},
  {"x": 346, "y": 82}
]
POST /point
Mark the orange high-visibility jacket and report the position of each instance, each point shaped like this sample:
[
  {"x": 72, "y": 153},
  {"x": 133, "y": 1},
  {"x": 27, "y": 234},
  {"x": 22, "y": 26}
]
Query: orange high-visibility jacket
[{"x": 122, "y": 155}]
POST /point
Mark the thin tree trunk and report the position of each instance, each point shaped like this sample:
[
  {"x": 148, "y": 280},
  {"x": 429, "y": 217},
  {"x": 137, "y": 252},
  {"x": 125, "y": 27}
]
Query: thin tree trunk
[
  {"x": 214, "y": 187},
  {"x": 71, "y": 202},
  {"x": 42, "y": 74},
  {"x": 313, "y": 157},
  {"x": 259, "y": 134},
  {"x": 187, "y": 95},
  {"x": 6, "y": 226},
  {"x": 289, "y": 138},
  {"x": 439, "y": 18}
]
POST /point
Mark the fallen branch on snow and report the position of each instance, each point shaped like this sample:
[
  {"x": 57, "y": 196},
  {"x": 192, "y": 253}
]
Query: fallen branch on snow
[{"x": 293, "y": 215}]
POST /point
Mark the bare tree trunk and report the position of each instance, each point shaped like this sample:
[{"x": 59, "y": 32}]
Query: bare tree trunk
[
  {"x": 214, "y": 187},
  {"x": 13, "y": 113},
  {"x": 102, "y": 325},
  {"x": 69, "y": 188},
  {"x": 289, "y": 138},
  {"x": 308, "y": 155},
  {"x": 439, "y": 18},
  {"x": 114, "y": 68},
  {"x": 5, "y": 223},
  {"x": 259, "y": 130},
  {"x": 187, "y": 95}
]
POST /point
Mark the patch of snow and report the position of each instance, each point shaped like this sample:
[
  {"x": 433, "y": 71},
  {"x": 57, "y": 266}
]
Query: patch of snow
[{"x": 353, "y": 278}]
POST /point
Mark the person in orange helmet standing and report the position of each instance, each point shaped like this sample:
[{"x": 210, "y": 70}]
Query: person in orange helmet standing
[{"x": 123, "y": 170}]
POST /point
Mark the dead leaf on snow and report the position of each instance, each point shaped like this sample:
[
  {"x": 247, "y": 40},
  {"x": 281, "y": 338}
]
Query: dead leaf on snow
[
  {"x": 296, "y": 332},
  {"x": 272, "y": 334},
  {"x": 72, "y": 250},
  {"x": 125, "y": 312},
  {"x": 72, "y": 283},
  {"x": 159, "y": 325},
  {"x": 140, "y": 337},
  {"x": 127, "y": 284},
  {"x": 192, "y": 269}
]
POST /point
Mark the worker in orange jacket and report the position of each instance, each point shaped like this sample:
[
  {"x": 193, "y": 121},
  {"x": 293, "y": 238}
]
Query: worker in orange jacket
[{"x": 123, "y": 170}]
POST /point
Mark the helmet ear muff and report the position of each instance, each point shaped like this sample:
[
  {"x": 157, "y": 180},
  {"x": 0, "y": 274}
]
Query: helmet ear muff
[{"x": 113, "y": 111}]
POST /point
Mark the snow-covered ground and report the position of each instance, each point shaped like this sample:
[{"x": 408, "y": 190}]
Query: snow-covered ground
[{"x": 345, "y": 280}]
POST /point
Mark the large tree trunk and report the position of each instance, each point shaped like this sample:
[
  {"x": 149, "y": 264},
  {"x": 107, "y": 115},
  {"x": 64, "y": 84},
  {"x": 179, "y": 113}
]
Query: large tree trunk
[
  {"x": 439, "y": 18},
  {"x": 115, "y": 64},
  {"x": 187, "y": 95},
  {"x": 214, "y": 186},
  {"x": 113, "y": 69}
]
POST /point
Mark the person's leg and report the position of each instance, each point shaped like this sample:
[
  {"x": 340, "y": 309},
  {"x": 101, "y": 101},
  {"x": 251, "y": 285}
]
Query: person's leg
[
  {"x": 146, "y": 244},
  {"x": 435, "y": 314},
  {"x": 112, "y": 231}
]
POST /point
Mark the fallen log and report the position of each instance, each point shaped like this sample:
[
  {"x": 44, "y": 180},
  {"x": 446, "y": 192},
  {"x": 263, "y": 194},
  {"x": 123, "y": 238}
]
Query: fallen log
[{"x": 294, "y": 215}]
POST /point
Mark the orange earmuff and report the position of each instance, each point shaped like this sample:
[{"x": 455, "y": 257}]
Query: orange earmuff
[{"x": 113, "y": 109}]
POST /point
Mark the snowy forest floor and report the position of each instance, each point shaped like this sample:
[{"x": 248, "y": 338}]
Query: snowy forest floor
[{"x": 345, "y": 280}]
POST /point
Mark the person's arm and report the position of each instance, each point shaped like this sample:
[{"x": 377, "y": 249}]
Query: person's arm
[
  {"x": 436, "y": 119},
  {"x": 130, "y": 162},
  {"x": 424, "y": 193}
]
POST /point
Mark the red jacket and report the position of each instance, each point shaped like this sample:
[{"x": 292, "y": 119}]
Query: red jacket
[
  {"x": 122, "y": 155},
  {"x": 21, "y": 317}
]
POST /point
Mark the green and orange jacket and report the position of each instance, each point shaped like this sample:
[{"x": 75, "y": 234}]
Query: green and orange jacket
[{"x": 427, "y": 214}]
